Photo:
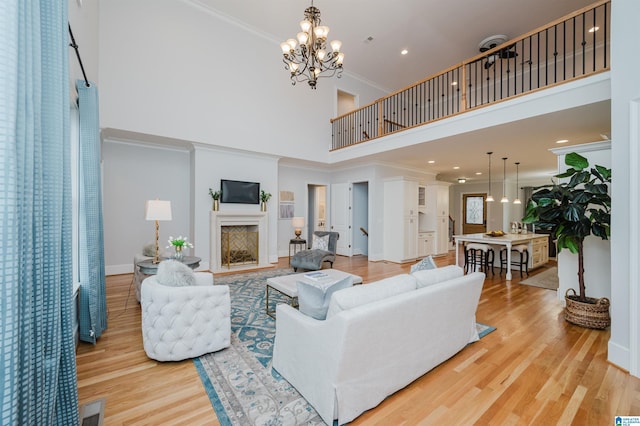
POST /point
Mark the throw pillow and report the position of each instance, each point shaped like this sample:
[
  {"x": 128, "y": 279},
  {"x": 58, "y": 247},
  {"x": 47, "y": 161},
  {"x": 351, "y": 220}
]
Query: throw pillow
[
  {"x": 175, "y": 274},
  {"x": 426, "y": 263},
  {"x": 434, "y": 276},
  {"x": 368, "y": 293},
  {"x": 149, "y": 250},
  {"x": 320, "y": 243},
  {"x": 313, "y": 298}
]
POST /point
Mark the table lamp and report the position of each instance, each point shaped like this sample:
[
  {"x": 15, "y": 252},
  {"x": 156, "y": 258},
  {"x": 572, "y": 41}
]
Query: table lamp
[
  {"x": 298, "y": 224},
  {"x": 157, "y": 210}
]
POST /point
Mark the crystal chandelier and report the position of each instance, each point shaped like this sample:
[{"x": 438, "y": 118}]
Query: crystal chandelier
[{"x": 307, "y": 58}]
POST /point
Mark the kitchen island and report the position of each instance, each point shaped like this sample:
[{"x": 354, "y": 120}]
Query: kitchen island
[{"x": 538, "y": 245}]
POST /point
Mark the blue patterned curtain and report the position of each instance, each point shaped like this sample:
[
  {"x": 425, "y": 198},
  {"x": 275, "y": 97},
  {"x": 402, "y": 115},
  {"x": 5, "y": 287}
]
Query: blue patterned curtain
[
  {"x": 93, "y": 301},
  {"x": 38, "y": 370}
]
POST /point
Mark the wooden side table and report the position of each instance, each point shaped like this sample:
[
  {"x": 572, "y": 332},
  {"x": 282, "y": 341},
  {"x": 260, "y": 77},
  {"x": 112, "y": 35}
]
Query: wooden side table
[{"x": 298, "y": 244}]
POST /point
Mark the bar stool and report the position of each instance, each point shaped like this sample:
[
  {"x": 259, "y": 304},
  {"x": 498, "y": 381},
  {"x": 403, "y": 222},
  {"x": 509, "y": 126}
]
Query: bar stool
[
  {"x": 523, "y": 249},
  {"x": 478, "y": 255}
]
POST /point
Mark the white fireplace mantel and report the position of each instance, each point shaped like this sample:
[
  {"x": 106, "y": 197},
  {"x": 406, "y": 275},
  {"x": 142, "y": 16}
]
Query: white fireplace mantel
[{"x": 218, "y": 219}]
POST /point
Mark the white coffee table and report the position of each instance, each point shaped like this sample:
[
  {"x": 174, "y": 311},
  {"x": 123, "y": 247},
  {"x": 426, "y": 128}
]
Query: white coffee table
[{"x": 286, "y": 285}]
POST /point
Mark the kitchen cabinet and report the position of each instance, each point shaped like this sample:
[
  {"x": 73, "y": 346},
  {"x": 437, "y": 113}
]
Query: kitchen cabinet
[
  {"x": 539, "y": 251},
  {"x": 422, "y": 197},
  {"x": 400, "y": 220},
  {"x": 437, "y": 214},
  {"x": 425, "y": 243}
]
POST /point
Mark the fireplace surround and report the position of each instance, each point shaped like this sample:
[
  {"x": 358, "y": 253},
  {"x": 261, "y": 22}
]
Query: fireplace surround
[{"x": 257, "y": 221}]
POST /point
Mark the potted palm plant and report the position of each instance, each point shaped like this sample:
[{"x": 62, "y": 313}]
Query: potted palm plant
[{"x": 573, "y": 210}]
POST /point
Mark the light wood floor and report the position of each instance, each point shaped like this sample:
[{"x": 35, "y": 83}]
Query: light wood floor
[{"x": 534, "y": 369}]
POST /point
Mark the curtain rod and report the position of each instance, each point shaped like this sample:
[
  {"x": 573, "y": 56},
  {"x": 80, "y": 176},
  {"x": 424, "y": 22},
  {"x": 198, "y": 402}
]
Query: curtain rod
[{"x": 75, "y": 47}]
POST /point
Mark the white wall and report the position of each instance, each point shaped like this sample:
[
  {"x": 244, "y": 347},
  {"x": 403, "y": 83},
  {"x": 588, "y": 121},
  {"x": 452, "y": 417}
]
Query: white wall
[
  {"x": 597, "y": 253},
  {"x": 208, "y": 166},
  {"x": 624, "y": 345},
  {"x": 179, "y": 71},
  {"x": 297, "y": 178},
  {"x": 132, "y": 174}
]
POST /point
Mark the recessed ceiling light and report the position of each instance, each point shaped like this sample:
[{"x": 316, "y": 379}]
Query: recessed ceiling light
[
  {"x": 478, "y": 173},
  {"x": 431, "y": 161},
  {"x": 456, "y": 167},
  {"x": 563, "y": 141},
  {"x": 455, "y": 83},
  {"x": 593, "y": 29},
  {"x": 462, "y": 180},
  {"x": 404, "y": 51}
]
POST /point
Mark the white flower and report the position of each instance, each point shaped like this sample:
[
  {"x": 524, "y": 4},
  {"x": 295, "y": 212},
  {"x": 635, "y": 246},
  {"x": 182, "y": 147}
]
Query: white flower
[{"x": 179, "y": 242}]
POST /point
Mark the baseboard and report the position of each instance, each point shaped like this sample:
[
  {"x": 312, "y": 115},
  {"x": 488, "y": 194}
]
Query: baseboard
[
  {"x": 618, "y": 356},
  {"x": 118, "y": 269}
]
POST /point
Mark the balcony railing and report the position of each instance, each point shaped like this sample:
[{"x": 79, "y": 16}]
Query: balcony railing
[{"x": 567, "y": 49}]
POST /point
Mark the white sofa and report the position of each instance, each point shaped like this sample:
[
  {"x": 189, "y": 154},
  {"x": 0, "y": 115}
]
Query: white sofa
[
  {"x": 187, "y": 321},
  {"x": 377, "y": 339}
]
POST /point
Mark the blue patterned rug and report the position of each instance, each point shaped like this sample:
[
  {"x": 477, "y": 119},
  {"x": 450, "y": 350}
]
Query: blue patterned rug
[{"x": 241, "y": 385}]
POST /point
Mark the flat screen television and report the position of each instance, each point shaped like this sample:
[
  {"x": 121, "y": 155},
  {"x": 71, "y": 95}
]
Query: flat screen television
[{"x": 235, "y": 191}]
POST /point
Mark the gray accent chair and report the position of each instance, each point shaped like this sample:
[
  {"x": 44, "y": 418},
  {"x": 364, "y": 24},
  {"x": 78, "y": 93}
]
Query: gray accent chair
[{"x": 312, "y": 260}]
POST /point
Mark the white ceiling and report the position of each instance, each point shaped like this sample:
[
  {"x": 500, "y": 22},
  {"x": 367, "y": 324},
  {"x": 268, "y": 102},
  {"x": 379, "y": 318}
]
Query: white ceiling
[{"x": 437, "y": 34}]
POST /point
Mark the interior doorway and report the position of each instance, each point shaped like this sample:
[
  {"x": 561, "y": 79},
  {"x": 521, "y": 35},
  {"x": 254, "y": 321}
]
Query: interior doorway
[
  {"x": 316, "y": 211},
  {"x": 474, "y": 213},
  {"x": 346, "y": 103},
  {"x": 360, "y": 218}
]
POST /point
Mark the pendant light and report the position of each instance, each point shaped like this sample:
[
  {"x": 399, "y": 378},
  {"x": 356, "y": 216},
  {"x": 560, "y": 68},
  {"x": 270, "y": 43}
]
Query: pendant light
[
  {"x": 517, "y": 200},
  {"x": 489, "y": 196},
  {"x": 504, "y": 181}
]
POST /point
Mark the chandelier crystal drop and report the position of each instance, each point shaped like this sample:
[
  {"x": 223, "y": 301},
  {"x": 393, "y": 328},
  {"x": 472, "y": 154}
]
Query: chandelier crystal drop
[
  {"x": 307, "y": 58},
  {"x": 489, "y": 196}
]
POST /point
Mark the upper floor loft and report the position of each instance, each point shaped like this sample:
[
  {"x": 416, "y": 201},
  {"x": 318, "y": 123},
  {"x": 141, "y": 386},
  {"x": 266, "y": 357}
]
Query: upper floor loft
[{"x": 568, "y": 49}]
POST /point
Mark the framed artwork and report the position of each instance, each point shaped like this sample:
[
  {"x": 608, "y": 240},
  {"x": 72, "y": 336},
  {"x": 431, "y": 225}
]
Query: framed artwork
[{"x": 286, "y": 208}]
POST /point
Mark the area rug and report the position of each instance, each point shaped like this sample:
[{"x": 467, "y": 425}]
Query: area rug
[
  {"x": 546, "y": 279},
  {"x": 241, "y": 385}
]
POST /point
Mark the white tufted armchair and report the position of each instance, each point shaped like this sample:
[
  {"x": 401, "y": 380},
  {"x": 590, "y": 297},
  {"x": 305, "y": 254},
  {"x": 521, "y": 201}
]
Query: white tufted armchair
[{"x": 185, "y": 322}]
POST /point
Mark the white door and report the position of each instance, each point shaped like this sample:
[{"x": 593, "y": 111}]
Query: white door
[{"x": 341, "y": 216}]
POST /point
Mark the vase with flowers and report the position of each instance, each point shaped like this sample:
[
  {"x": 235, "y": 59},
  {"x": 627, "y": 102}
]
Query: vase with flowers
[
  {"x": 215, "y": 196},
  {"x": 264, "y": 197},
  {"x": 178, "y": 245}
]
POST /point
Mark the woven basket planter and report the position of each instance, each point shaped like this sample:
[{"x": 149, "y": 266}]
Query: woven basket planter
[{"x": 592, "y": 314}]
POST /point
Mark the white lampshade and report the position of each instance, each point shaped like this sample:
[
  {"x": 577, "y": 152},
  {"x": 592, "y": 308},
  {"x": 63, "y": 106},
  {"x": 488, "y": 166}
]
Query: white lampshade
[
  {"x": 305, "y": 25},
  {"x": 157, "y": 210},
  {"x": 302, "y": 37},
  {"x": 297, "y": 222},
  {"x": 321, "y": 31},
  {"x": 336, "y": 45}
]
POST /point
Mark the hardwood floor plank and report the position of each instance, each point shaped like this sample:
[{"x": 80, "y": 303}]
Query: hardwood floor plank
[{"x": 534, "y": 369}]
